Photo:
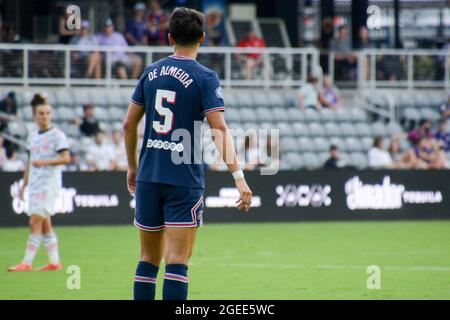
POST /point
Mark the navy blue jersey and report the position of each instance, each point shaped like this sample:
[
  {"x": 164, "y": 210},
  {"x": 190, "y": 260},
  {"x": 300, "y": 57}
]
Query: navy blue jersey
[{"x": 176, "y": 93}]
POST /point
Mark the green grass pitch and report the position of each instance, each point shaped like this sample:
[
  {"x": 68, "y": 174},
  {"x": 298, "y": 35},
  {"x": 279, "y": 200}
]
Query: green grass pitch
[{"x": 250, "y": 261}]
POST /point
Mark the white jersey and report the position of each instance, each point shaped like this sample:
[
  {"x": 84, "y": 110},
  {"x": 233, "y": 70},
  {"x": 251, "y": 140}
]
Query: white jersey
[{"x": 43, "y": 146}]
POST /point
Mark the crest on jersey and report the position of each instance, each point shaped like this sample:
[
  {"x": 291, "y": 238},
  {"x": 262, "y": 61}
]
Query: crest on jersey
[{"x": 219, "y": 93}]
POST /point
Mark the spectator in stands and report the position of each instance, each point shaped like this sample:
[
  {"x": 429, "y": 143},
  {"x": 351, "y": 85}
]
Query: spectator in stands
[
  {"x": 443, "y": 136},
  {"x": 334, "y": 162},
  {"x": 136, "y": 30},
  {"x": 13, "y": 163},
  {"x": 445, "y": 108},
  {"x": 65, "y": 35},
  {"x": 91, "y": 59},
  {"x": 425, "y": 155},
  {"x": 89, "y": 125},
  {"x": 100, "y": 155},
  {"x": 423, "y": 131},
  {"x": 378, "y": 157},
  {"x": 308, "y": 96},
  {"x": 120, "y": 157},
  {"x": 251, "y": 61},
  {"x": 345, "y": 60},
  {"x": 3, "y": 157},
  {"x": 329, "y": 96},
  {"x": 8, "y": 106},
  {"x": 364, "y": 42},
  {"x": 157, "y": 24},
  {"x": 398, "y": 158},
  {"x": 119, "y": 58}
]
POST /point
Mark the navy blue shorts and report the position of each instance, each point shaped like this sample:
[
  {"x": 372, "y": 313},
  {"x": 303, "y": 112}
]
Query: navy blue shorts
[{"x": 161, "y": 205}]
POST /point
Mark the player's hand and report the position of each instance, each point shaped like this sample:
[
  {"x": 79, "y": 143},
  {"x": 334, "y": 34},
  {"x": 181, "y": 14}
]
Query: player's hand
[
  {"x": 39, "y": 163},
  {"x": 245, "y": 195},
  {"x": 131, "y": 181},
  {"x": 22, "y": 192}
]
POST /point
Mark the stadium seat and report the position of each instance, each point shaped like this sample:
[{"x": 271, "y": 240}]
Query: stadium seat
[
  {"x": 311, "y": 161},
  {"x": 343, "y": 115},
  {"x": 66, "y": 113},
  {"x": 347, "y": 129},
  {"x": 359, "y": 160},
  {"x": 285, "y": 128},
  {"x": 27, "y": 113},
  {"x": 232, "y": 114},
  {"x": 290, "y": 100},
  {"x": 316, "y": 129},
  {"x": 411, "y": 114},
  {"x": 379, "y": 129},
  {"x": 367, "y": 143},
  {"x": 353, "y": 144},
  {"x": 294, "y": 160},
  {"x": 243, "y": 99},
  {"x": 267, "y": 125},
  {"x": 311, "y": 115},
  {"x": 305, "y": 144},
  {"x": 430, "y": 114},
  {"x": 326, "y": 115},
  {"x": 116, "y": 113},
  {"x": 338, "y": 142},
  {"x": 101, "y": 113},
  {"x": 260, "y": 99},
  {"x": 275, "y": 99},
  {"x": 247, "y": 114},
  {"x": 250, "y": 126},
  {"x": 280, "y": 114},
  {"x": 331, "y": 129},
  {"x": 64, "y": 97},
  {"x": 358, "y": 115},
  {"x": 263, "y": 114},
  {"x": 230, "y": 99},
  {"x": 17, "y": 129},
  {"x": 300, "y": 129},
  {"x": 289, "y": 144},
  {"x": 394, "y": 128},
  {"x": 81, "y": 97},
  {"x": 320, "y": 144},
  {"x": 323, "y": 156},
  {"x": 295, "y": 115},
  {"x": 70, "y": 129},
  {"x": 362, "y": 129}
]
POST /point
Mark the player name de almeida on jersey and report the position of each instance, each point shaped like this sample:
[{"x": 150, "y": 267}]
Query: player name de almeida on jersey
[
  {"x": 172, "y": 71},
  {"x": 176, "y": 92}
]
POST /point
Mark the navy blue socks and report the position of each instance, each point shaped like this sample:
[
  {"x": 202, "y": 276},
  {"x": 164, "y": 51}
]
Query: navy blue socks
[
  {"x": 175, "y": 282},
  {"x": 145, "y": 281}
]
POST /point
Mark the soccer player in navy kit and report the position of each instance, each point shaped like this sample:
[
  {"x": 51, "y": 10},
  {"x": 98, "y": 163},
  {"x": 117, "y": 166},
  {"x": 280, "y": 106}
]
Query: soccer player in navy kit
[{"x": 174, "y": 93}]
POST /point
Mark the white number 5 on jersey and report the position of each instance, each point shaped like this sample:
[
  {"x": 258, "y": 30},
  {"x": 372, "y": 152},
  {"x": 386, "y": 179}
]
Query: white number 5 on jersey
[{"x": 166, "y": 113}]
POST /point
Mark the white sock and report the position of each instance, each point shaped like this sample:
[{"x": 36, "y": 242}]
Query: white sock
[
  {"x": 34, "y": 241},
  {"x": 51, "y": 244}
]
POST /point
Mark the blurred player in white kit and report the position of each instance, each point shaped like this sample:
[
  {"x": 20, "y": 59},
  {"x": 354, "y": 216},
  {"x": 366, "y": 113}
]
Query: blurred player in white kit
[{"x": 48, "y": 151}]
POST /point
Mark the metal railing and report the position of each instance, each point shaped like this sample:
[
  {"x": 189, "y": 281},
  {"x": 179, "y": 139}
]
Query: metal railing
[
  {"x": 67, "y": 65},
  {"x": 389, "y": 68}
]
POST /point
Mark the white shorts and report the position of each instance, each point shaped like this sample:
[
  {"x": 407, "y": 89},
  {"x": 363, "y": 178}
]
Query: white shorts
[{"x": 42, "y": 203}]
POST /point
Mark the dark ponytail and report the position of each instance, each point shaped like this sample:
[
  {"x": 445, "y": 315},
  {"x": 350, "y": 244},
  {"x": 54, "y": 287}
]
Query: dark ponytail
[{"x": 38, "y": 99}]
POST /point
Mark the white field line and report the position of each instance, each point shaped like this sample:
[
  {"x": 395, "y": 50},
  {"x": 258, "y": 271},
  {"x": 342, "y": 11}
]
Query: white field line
[{"x": 330, "y": 266}]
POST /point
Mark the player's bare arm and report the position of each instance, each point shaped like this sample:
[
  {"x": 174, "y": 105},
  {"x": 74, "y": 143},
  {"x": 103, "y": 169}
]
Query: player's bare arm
[
  {"x": 62, "y": 158},
  {"x": 225, "y": 145},
  {"x": 130, "y": 125}
]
